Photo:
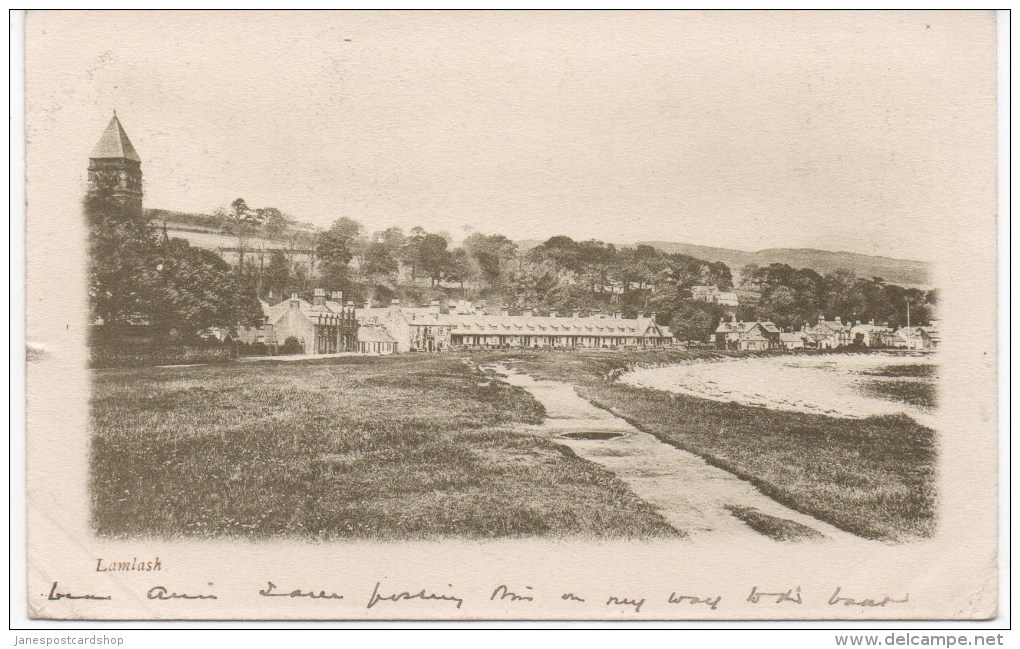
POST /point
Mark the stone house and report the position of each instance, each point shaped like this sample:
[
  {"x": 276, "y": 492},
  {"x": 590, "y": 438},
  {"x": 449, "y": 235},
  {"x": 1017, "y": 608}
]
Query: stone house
[
  {"x": 828, "y": 334},
  {"x": 871, "y": 335},
  {"x": 793, "y": 340},
  {"x": 713, "y": 295},
  {"x": 413, "y": 328},
  {"x": 758, "y": 335},
  {"x": 375, "y": 340},
  {"x": 529, "y": 330},
  {"x": 320, "y": 327}
]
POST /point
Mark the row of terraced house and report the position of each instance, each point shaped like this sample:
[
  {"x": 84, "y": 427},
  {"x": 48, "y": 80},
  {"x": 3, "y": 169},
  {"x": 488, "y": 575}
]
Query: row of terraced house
[
  {"x": 762, "y": 335},
  {"x": 330, "y": 325}
]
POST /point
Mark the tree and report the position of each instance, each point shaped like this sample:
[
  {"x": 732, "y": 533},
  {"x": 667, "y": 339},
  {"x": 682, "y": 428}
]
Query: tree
[
  {"x": 749, "y": 277},
  {"x": 335, "y": 276},
  {"x": 190, "y": 289},
  {"x": 122, "y": 246},
  {"x": 275, "y": 224},
  {"x": 779, "y": 304},
  {"x": 695, "y": 320},
  {"x": 379, "y": 262},
  {"x": 412, "y": 250},
  {"x": 433, "y": 256},
  {"x": 459, "y": 266},
  {"x": 337, "y": 244},
  {"x": 278, "y": 273},
  {"x": 240, "y": 221},
  {"x": 492, "y": 258},
  {"x": 335, "y": 248}
]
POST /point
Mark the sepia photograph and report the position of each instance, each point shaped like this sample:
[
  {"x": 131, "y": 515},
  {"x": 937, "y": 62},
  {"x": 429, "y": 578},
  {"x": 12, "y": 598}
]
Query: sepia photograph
[{"x": 504, "y": 309}]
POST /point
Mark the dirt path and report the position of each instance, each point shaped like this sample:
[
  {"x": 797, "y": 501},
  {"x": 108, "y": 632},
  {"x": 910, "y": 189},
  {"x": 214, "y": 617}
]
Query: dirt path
[{"x": 690, "y": 493}]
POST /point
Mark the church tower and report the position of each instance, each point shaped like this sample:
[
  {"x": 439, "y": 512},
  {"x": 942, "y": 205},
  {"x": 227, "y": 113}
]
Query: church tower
[{"x": 115, "y": 170}]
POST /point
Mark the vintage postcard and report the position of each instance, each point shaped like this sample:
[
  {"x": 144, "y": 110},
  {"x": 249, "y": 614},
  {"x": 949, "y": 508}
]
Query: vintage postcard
[{"x": 471, "y": 315}]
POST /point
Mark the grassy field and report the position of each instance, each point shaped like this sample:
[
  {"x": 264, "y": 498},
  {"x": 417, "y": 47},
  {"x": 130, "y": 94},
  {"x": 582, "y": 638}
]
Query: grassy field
[
  {"x": 874, "y": 477},
  {"x": 405, "y": 447}
]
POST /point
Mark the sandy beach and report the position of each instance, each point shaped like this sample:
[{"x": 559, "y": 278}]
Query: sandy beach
[{"x": 827, "y": 385}]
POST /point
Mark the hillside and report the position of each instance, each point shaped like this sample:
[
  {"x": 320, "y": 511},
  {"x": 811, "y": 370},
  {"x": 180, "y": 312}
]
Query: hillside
[
  {"x": 207, "y": 231},
  {"x": 905, "y": 272}
]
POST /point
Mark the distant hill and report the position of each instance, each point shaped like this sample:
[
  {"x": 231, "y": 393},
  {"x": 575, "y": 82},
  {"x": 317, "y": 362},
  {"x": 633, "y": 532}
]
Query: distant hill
[{"x": 905, "y": 272}]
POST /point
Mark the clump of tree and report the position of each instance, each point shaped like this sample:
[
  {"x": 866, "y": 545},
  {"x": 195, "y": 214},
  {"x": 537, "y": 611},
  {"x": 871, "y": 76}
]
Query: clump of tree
[
  {"x": 792, "y": 297},
  {"x": 138, "y": 276},
  {"x": 561, "y": 274}
]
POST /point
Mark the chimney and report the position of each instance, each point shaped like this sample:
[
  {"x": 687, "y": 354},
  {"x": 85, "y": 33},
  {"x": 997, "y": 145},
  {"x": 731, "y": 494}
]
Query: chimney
[
  {"x": 821, "y": 317},
  {"x": 652, "y": 316},
  {"x": 640, "y": 315},
  {"x": 338, "y": 296},
  {"x": 350, "y": 303},
  {"x": 552, "y": 314},
  {"x": 319, "y": 299},
  {"x": 434, "y": 306},
  {"x": 838, "y": 320},
  {"x": 527, "y": 313},
  {"x": 505, "y": 311},
  {"x": 395, "y": 302},
  {"x": 871, "y": 322},
  {"x": 295, "y": 301},
  {"x": 617, "y": 315},
  {"x": 576, "y": 314}
]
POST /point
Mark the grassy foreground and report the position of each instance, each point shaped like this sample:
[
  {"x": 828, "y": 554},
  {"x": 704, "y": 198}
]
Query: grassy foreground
[
  {"x": 874, "y": 477},
  {"x": 383, "y": 448}
]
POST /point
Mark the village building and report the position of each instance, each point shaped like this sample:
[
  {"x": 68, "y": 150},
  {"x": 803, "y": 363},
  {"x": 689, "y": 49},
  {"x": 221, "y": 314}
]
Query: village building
[
  {"x": 793, "y": 339},
  {"x": 906, "y": 338},
  {"x": 415, "y": 329},
  {"x": 758, "y": 335},
  {"x": 530, "y": 330},
  {"x": 828, "y": 334},
  {"x": 713, "y": 295},
  {"x": 930, "y": 337},
  {"x": 917, "y": 338},
  {"x": 467, "y": 327},
  {"x": 322, "y": 326},
  {"x": 871, "y": 335},
  {"x": 375, "y": 340}
]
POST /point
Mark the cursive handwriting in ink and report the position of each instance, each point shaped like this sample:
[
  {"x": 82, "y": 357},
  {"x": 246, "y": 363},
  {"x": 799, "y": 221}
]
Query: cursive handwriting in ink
[
  {"x": 55, "y": 596},
  {"x": 270, "y": 591},
  {"x": 163, "y": 594},
  {"x": 623, "y": 601},
  {"x": 405, "y": 595},
  {"x": 505, "y": 593},
  {"x": 570, "y": 597},
  {"x": 849, "y": 601},
  {"x": 691, "y": 599},
  {"x": 792, "y": 595}
]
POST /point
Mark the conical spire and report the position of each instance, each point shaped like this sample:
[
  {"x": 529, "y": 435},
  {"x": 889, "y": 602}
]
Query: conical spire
[{"x": 115, "y": 143}]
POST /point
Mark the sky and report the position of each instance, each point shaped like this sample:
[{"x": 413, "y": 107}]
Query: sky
[{"x": 864, "y": 132}]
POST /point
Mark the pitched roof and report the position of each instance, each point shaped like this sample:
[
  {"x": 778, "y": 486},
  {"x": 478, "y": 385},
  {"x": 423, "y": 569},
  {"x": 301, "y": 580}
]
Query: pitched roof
[
  {"x": 542, "y": 325},
  {"x": 746, "y": 327},
  {"x": 278, "y": 310},
  {"x": 931, "y": 332},
  {"x": 115, "y": 143},
  {"x": 374, "y": 335}
]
